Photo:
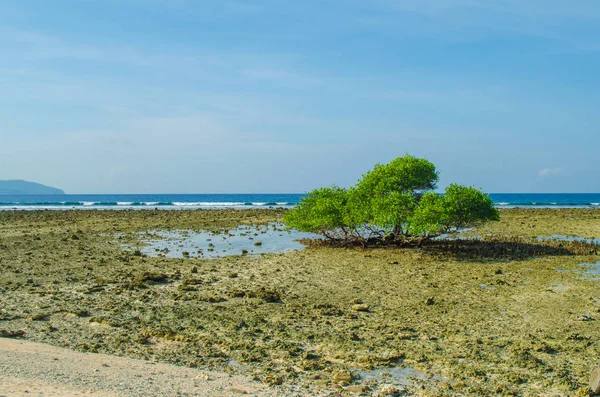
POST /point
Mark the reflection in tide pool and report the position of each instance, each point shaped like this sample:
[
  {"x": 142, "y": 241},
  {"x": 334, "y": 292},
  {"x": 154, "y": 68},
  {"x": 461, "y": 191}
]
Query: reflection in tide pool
[
  {"x": 560, "y": 237},
  {"x": 244, "y": 240},
  {"x": 592, "y": 270},
  {"x": 398, "y": 376}
]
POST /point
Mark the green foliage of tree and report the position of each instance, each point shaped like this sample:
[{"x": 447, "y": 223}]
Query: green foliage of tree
[
  {"x": 321, "y": 211},
  {"x": 393, "y": 202}
]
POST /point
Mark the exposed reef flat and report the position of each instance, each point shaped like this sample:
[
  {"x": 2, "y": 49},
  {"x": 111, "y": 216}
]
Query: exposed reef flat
[{"x": 509, "y": 314}]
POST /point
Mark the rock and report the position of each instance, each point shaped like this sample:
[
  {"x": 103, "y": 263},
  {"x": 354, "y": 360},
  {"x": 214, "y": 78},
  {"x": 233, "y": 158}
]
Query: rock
[
  {"x": 584, "y": 317},
  {"x": 321, "y": 382},
  {"x": 11, "y": 334},
  {"x": 237, "y": 390},
  {"x": 359, "y": 389},
  {"x": 237, "y": 293},
  {"x": 342, "y": 376},
  {"x": 273, "y": 380},
  {"x": 264, "y": 294},
  {"x": 390, "y": 390},
  {"x": 430, "y": 301},
  {"x": 595, "y": 380},
  {"x": 361, "y": 307}
]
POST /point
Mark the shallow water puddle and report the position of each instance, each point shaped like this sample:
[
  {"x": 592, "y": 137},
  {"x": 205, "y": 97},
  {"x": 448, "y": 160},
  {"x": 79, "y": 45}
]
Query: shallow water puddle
[
  {"x": 251, "y": 240},
  {"x": 561, "y": 237},
  {"x": 592, "y": 270},
  {"x": 398, "y": 376}
]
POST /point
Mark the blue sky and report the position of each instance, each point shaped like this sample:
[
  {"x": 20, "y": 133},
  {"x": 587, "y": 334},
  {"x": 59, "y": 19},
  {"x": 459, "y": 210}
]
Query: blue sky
[{"x": 184, "y": 96}]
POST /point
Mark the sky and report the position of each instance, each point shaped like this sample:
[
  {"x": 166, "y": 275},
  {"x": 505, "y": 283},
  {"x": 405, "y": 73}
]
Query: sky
[{"x": 265, "y": 96}]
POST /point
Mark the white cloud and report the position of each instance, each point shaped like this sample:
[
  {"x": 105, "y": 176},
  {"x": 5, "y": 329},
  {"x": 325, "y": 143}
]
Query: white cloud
[{"x": 550, "y": 171}]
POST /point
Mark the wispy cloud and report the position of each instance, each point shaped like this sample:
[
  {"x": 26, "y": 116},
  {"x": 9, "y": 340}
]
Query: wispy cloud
[{"x": 550, "y": 171}]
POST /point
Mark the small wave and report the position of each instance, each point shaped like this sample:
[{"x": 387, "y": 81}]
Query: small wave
[
  {"x": 182, "y": 204},
  {"x": 595, "y": 204},
  {"x": 87, "y": 203},
  {"x": 548, "y": 204},
  {"x": 503, "y": 203},
  {"x": 125, "y": 203},
  {"x": 207, "y": 204}
]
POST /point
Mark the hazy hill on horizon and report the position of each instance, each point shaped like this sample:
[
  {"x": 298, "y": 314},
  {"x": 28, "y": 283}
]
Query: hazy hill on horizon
[{"x": 21, "y": 187}]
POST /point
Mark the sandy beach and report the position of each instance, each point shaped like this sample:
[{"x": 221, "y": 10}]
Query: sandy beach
[{"x": 30, "y": 368}]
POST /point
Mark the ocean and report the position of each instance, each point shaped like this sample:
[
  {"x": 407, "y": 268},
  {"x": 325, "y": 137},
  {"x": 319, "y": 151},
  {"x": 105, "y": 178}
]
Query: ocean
[{"x": 197, "y": 201}]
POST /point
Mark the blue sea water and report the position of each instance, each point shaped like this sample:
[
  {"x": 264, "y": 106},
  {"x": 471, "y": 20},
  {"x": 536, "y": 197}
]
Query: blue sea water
[
  {"x": 140, "y": 201},
  {"x": 197, "y": 201}
]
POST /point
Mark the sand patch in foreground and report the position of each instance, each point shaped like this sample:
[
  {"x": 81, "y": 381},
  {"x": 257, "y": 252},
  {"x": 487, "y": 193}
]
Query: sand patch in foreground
[{"x": 30, "y": 368}]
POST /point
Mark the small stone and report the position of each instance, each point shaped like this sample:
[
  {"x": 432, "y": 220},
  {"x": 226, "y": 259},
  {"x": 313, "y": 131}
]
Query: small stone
[
  {"x": 459, "y": 385},
  {"x": 361, "y": 307},
  {"x": 237, "y": 293},
  {"x": 595, "y": 380},
  {"x": 358, "y": 389},
  {"x": 389, "y": 390},
  {"x": 321, "y": 382},
  {"x": 273, "y": 380},
  {"x": 342, "y": 376},
  {"x": 237, "y": 390},
  {"x": 430, "y": 301}
]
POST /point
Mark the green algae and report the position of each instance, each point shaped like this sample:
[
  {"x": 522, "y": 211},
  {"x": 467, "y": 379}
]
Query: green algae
[{"x": 66, "y": 280}]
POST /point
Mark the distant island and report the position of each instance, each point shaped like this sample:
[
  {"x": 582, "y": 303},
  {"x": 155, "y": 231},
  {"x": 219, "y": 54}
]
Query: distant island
[{"x": 19, "y": 187}]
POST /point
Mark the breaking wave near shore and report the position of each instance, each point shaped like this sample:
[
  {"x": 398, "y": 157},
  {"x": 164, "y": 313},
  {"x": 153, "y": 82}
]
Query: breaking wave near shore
[
  {"x": 100, "y": 204},
  {"x": 247, "y": 201}
]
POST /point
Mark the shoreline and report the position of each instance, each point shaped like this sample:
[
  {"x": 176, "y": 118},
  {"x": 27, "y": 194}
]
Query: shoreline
[{"x": 237, "y": 207}]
